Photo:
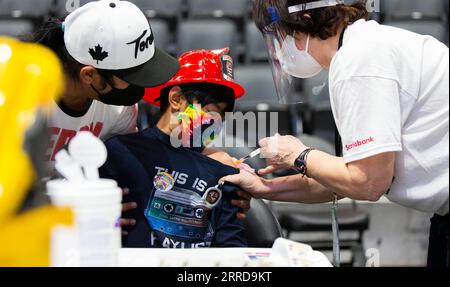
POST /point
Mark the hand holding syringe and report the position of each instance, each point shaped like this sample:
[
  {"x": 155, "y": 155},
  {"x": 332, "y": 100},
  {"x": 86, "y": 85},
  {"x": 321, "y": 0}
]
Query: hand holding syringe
[
  {"x": 251, "y": 155},
  {"x": 241, "y": 162}
]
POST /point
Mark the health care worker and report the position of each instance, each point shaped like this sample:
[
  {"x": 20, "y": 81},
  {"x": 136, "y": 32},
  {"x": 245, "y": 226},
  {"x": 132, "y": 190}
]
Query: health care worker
[{"x": 389, "y": 92}]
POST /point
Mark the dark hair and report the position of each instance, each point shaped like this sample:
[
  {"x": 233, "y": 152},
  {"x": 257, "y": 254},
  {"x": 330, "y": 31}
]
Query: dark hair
[
  {"x": 51, "y": 35},
  {"x": 203, "y": 93},
  {"x": 321, "y": 22}
]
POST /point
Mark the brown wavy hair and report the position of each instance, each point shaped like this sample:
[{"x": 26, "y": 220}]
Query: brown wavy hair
[{"x": 321, "y": 22}]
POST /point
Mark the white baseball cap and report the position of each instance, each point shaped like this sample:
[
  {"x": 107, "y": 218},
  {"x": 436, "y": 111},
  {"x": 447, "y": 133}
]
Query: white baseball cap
[{"x": 115, "y": 35}]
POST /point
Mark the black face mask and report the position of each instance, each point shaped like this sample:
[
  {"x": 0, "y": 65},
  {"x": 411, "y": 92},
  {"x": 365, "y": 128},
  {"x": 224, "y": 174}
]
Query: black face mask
[{"x": 126, "y": 97}]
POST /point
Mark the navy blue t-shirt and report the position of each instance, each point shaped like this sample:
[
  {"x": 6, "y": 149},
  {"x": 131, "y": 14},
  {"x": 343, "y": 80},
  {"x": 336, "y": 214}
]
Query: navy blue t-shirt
[{"x": 181, "y": 216}]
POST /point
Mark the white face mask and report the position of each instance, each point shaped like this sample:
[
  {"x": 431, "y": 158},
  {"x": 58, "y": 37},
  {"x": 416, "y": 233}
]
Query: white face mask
[{"x": 295, "y": 62}]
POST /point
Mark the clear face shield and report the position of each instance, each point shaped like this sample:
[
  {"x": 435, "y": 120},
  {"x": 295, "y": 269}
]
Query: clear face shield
[
  {"x": 285, "y": 84},
  {"x": 290, "y": 62}
]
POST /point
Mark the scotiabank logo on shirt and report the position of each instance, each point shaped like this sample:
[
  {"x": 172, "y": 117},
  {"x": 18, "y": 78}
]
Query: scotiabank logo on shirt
[
  {"x": 60, "y": 137},
  {"x": 359, "y": 143}
]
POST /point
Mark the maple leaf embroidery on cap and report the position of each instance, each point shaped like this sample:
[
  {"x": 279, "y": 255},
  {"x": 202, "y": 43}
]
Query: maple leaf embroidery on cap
[{"x": 98, "y": 54}]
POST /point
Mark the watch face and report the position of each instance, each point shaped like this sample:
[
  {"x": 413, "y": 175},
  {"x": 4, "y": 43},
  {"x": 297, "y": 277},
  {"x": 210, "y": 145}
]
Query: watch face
[{"x": 299, "y": 164}]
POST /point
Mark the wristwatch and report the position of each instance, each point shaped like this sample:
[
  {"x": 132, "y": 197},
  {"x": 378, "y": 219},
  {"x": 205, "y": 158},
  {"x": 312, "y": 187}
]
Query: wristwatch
[{"x": 300, "y": 163}]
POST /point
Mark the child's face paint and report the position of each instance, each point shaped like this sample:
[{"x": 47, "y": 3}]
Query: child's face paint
[{"x": 193, "y": 117}]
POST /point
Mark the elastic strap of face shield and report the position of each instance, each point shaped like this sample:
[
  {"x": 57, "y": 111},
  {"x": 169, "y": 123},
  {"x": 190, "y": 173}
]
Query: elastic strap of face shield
[
  {"x": 313, "y": 5},
  {"x": 272, "y": 18}
]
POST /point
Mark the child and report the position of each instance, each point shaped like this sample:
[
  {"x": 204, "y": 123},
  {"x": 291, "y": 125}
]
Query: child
[{"x": 180, "y": 201}]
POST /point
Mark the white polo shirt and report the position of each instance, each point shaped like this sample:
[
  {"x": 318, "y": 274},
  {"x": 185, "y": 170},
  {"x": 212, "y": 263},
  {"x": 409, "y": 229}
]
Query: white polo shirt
[{"x": 389, "y": 92}]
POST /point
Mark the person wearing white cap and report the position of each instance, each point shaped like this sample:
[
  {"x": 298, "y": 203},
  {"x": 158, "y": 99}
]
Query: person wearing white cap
[
  {"x": 108, "y": 52},
  {"x": 109, "y": 57},
  {"x": 389, "y": 92}
]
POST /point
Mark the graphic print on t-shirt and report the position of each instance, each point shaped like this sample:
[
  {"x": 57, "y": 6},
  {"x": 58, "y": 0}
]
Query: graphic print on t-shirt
[
  {"x": 60, "y": 137},
  {"x": 179, "y": 212},
  {"x": 180, "y": 216},
  {"x": 102, "y": 120}
]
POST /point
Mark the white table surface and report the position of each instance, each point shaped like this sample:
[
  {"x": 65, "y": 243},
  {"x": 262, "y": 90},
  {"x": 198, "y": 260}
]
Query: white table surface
[{"x": 207, "y": 257}]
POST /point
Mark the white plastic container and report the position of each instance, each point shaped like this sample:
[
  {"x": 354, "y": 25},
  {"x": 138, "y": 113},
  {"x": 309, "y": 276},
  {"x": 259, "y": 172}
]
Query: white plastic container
[{"x": 95, "y": 241}]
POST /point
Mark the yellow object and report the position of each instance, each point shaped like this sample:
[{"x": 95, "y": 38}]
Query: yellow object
[
  {"x": 24, "y": 241},
  {"x": 31, "y": 78}
]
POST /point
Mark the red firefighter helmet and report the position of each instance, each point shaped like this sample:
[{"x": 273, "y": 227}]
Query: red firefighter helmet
[{"x": 201, "y": 66}]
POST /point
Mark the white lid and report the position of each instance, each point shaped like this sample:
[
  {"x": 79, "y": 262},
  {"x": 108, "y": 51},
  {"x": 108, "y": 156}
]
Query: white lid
[
  {"x": 101, "y": 192},
  {"x": 61, "y": 184}
]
